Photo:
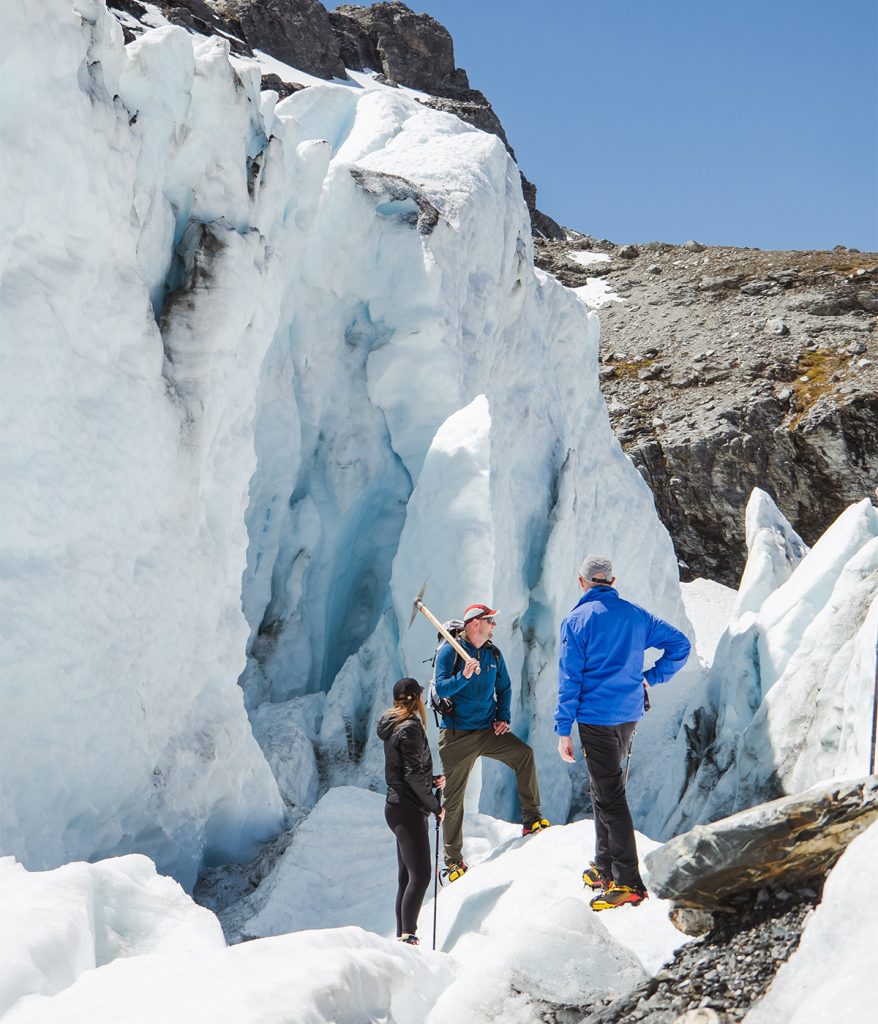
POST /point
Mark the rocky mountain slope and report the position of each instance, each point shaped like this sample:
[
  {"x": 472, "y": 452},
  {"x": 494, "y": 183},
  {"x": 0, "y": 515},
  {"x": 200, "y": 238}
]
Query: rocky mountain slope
[{"x": 725, "y": 369}]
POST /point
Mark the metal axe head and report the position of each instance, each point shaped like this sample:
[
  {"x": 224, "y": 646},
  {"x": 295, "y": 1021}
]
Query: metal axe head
[{"x": 417, "y": 605}]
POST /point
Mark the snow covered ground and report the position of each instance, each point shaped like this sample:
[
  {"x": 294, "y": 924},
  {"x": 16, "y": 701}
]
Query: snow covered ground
[
  {"x": 596, "y": 292},
  {"x": 304, "y": 890},
  {"x": 116, "y": 942}
]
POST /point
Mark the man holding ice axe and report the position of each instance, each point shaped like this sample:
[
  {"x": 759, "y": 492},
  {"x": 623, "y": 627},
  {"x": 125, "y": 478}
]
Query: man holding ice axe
[
  {"x": 601, "y": 688},
  {"x": 472, "y": 674}
]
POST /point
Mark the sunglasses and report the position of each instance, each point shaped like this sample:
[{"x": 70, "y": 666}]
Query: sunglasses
[{"x": 491, "y": 622}]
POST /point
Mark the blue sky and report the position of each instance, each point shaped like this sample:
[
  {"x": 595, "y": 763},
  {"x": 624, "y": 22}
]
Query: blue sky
[{"x": 754, "y": 123}]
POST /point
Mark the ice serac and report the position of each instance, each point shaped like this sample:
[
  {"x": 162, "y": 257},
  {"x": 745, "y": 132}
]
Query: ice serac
[
  {"x": 774, "y": 549},
  {"x": 790, "y": 695}
]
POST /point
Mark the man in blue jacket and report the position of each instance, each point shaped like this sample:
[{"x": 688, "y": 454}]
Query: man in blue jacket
[
  {"x": 477, "y": 727},
  {"x": 601, "y": 688}
]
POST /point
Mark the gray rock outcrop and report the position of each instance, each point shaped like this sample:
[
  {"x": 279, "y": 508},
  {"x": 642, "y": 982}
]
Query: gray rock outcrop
[
  {"x": 193, "y": 15},
  {"x": 782, "y": 844}
]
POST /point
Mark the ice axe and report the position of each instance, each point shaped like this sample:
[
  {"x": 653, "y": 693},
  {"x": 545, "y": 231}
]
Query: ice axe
[{"x": 419, "y": 606}]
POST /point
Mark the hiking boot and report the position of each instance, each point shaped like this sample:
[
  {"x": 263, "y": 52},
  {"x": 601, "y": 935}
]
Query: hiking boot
[
  {"x": 409, "y": 939},
  {"x": 618, "y": 896},
  {"x": 535, "y": 826},
  {"x": 594, "y": 879},
  {"x": 452, "y": 873}
]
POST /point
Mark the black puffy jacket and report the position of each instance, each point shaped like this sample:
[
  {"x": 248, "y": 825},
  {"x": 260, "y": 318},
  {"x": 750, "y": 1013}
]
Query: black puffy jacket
[{"x": 408, "y": 764}]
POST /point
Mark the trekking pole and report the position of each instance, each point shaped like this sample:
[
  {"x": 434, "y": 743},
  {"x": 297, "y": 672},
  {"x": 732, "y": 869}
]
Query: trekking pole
[
  {"x": 633, "y": 734},
  {"x": 874, "y": 717},
  {"x": 436, "y": 872}
]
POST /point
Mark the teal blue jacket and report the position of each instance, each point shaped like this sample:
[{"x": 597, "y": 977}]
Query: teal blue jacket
[{"x": 480, "y": 700}]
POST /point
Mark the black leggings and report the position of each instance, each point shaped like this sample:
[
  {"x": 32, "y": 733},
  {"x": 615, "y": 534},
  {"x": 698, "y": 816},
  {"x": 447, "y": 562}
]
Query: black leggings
[{"x": 409, "y": 825}]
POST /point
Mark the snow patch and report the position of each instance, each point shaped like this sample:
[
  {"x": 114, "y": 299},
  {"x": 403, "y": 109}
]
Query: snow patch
[{"x": 585, "y": 259}]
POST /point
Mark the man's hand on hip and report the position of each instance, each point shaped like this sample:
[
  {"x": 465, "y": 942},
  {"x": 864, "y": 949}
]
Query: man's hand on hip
[
  {"x": 501, "y": 728},
  {"x": 565, "y": 749}
]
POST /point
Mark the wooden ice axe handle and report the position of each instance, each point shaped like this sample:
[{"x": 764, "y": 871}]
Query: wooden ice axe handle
[{"x": 432, "y": 618}]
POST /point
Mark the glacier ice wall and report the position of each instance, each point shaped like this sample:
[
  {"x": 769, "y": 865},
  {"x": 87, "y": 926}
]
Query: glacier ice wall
[
  {"x": 127, "y": 447},
  {"x": 269, "y": 365}
]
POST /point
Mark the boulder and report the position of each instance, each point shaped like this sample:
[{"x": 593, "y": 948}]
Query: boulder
[
  {"x": 776, "y": 325},
  {"x": 780, "y": 844}
]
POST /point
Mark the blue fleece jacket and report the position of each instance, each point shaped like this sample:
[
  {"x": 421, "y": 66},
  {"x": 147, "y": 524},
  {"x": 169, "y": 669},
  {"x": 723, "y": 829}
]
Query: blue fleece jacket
[
  {"x": 600, "y": 669},
  {"x": 480, "y": 700}
]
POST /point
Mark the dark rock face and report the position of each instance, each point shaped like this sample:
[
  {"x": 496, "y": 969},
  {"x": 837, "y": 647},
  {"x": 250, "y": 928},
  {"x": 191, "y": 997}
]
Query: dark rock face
[
  {"x": 298, "y": 32},
  {"x": 411, "y": 49},
  {"x": 725, "y": 369},
  {"x": 782, "y": 844}
]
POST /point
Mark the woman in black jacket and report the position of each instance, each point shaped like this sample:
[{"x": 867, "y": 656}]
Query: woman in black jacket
[{"x": 408, "y": 771}]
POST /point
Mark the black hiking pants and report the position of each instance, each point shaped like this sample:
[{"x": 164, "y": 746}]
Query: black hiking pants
[
  {"x": 409, "y": 825},
  {"x": 605, "y": 747}
]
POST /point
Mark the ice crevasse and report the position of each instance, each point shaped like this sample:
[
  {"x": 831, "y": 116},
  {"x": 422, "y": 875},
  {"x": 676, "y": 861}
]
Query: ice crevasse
[{"x": 269, "y": 366}]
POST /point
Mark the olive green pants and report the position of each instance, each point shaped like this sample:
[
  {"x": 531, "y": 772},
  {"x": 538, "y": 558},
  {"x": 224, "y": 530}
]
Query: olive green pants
[{"x": 458, "y": 751}]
